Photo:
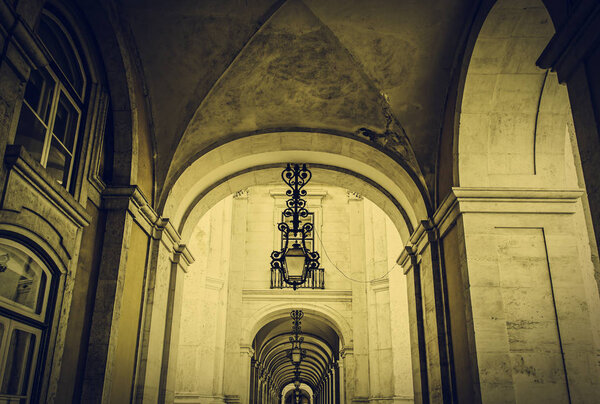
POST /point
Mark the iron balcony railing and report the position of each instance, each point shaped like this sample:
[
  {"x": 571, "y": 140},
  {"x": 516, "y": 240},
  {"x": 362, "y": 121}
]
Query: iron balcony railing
[{"x": 314, "y": 280}]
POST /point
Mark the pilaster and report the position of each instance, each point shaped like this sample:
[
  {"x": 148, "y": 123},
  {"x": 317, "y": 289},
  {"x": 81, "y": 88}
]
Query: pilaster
[
  {"x": 233, "y": 383},
  {"x": 160, "y": 261},
  {"x": 521, "y": 318},
  {"x": 97, "y": 385},
  {"x": 356, "y": 229}
]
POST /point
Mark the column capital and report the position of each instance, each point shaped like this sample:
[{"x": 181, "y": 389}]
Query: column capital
[
  {"x": 346, "y": 351},
  {"x": 247, "y": 350},
  {"x": 353, "y": 196},
  {"x": 241, "y": 194}
]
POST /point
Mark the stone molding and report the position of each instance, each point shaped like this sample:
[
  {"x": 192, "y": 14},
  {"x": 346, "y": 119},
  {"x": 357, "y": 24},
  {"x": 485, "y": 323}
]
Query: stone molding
[
  {"x": 319, "y": 295},
  {"x": 241, "y": 194},
  {"x": 37, "y": 207},
  {"x": 353, "y": 196},
  {"x": 214, "y": 283},
  {"x": 311, "y": 193},
  {"x": 232, "y": 399},
  {"x": 574, "y": 41},
  {"x": 380, "y": 285},
  {"x": 18, "y": 159},
  {"x": 26, "y": 51},
  {"x": 183, "y": 257},
  {"x": 96, "y": 142},
  {"x": 197, "y": 398},
  {"x": 346, "y": 351},
  {"x": 132, "y": 199},
  {"x": 246, "y": 350},
  {"x": 486, "y": 200}
]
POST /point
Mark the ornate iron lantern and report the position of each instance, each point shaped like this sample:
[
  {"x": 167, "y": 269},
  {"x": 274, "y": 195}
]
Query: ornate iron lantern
[
  {"x": 296, "y": 262},
  {"x": 297, "y": 353}
]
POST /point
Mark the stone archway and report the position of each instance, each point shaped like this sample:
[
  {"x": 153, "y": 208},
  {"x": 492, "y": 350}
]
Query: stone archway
[
  {"x": 241, "y": 302},
  {"x": 516, "y": 195}
]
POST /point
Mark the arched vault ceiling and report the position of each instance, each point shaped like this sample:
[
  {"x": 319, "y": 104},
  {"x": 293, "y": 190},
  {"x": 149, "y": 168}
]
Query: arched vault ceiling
[{"x": 217, "y": 68}]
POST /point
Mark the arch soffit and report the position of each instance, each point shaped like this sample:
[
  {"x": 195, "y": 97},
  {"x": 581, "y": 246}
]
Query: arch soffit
[
  {"x": 280, "y": 343},
  {"x": 220, "y": 172},
  {"x": 271, "y": 174},
  {"x": 488, "y": 19},
  {"x": 325, "y": 314},
  {"x": 114, "y": 44},
  {"x": 290, "y": 387}
]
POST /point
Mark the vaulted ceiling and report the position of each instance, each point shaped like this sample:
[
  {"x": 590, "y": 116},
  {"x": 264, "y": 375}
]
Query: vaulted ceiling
[
  {"x": 224, "y": 68},
  {"x": 272, "y": 344}
]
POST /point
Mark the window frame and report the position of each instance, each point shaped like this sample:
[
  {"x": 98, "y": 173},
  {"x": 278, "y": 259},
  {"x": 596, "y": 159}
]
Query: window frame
[
  {"x": 78, "y": 100},
  {"x": 10, "y": 326},
  {"x": 38, "y": 325},
  {"x": 37, "y": 315}
]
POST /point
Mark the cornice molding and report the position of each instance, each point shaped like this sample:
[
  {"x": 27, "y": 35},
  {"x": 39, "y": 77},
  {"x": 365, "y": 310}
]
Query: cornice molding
[
  {"x": 246, "y": 350},
  {"x": 16, "y": 158},
  {"x": 183, "y": 257},
  {"x": 316, "y": 295},
  {"x": 311, "y": 193},
  {"x": 463, "y": 200},
  {"x": 132, "y": 199}
]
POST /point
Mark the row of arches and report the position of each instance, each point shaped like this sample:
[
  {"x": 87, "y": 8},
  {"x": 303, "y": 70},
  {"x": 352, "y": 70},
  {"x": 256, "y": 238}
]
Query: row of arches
[{"x": 273, "y": 363}]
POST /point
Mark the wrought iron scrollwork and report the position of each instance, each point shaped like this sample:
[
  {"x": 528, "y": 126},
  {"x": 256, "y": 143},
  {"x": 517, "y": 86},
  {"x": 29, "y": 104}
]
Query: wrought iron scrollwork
[{"x": 296, "y": 176}]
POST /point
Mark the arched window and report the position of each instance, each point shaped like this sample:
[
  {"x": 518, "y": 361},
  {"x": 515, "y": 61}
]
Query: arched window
[
  {"x": 55, "y": 97},
  {"x": 26, "y": 296}
]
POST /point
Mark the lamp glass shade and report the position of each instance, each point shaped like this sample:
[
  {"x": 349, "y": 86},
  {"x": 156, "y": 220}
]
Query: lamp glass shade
[{"x": 294, "y": 261}]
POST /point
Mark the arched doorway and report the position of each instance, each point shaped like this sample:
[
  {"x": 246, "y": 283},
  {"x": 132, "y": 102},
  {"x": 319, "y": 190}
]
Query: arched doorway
[{"x": 359, "y": 320}]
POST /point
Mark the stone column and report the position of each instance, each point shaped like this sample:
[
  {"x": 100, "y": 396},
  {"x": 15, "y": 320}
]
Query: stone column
[
  {"x": 429, "y": 340},
  {"x": 348, "y": 360},
  {"x": 328, "y": 387},
  {"x": 246, "y": 374},
  {"x": 98, "y": 380},
  {"x": 331, "y": 387},
  {"x": 218, "y": 261},
  {"x": 257, "y": 384},
  {"x": 181, "y": 260},
  {"x": 232, "y": 366},
  {"x": 155, "y": 379},
  {"x": 332, "y": 384},
  {"x": 341, "y": 381},
  {"x": 252, "y": 390},
  {"x": 360, "y": 378},
  {"x": 409, "y": 261},
  {"x": 321, "y": 399}
]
